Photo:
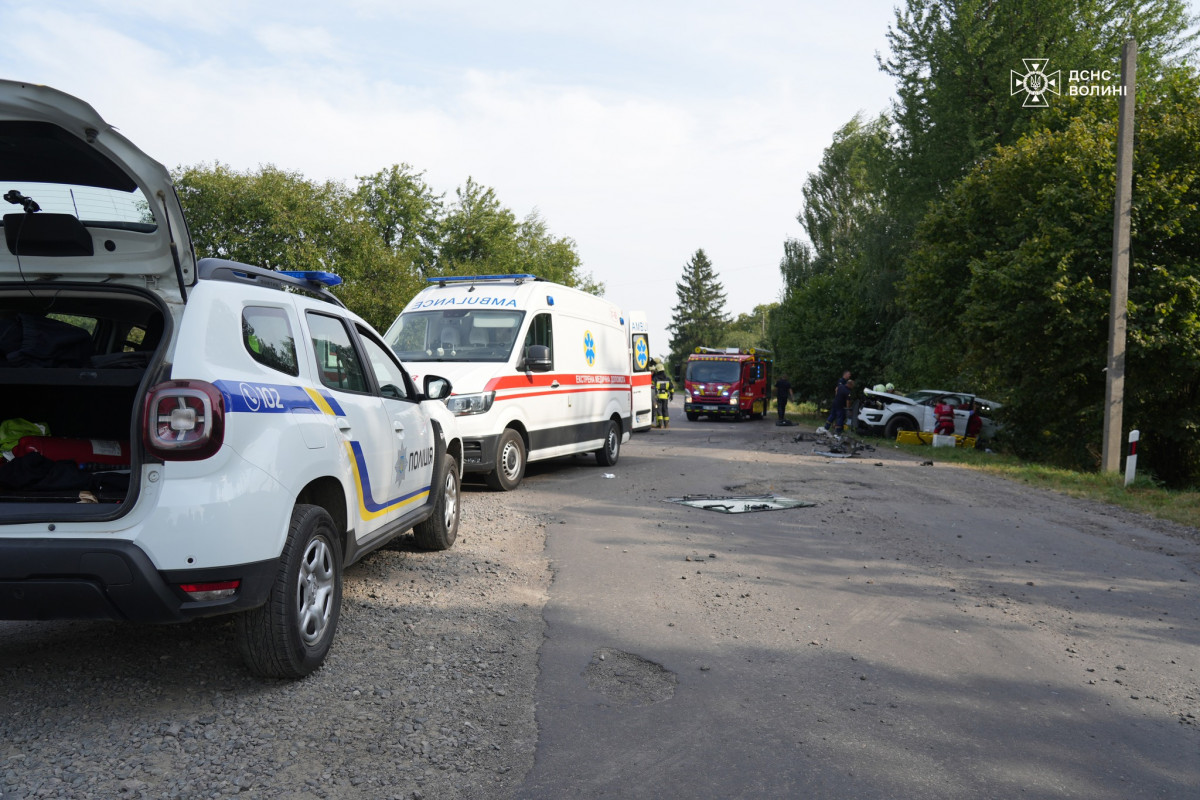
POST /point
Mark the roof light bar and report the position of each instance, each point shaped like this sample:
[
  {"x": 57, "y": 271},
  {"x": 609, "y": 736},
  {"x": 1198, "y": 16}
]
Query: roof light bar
[{"x": 518, "y": 278}]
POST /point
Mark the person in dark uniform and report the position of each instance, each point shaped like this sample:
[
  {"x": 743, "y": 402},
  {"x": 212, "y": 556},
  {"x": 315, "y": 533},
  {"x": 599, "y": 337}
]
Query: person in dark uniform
[
  {"x": 783, "y": 394},
  {"x": 841, "y": 400}
]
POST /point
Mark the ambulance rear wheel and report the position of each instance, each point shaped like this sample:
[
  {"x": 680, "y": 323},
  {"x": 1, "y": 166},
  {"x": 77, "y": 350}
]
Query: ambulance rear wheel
[
  {"x": 510, "y": 462},
  {"x": 607, "y": 455}
]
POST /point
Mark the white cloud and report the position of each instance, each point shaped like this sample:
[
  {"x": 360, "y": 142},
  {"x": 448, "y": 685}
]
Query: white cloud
[{"x": 642, "y": 131}]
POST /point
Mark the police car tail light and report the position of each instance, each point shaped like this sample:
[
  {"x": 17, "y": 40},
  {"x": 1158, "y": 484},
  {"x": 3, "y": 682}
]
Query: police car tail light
[
  {"x": 463, "y": 404},
  {"x": 185, "y": 420},
  {"x": 211, "y": 590}
]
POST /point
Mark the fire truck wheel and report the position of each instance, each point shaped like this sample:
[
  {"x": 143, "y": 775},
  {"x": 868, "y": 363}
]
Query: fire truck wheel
[{"x": 692, "y": 416}]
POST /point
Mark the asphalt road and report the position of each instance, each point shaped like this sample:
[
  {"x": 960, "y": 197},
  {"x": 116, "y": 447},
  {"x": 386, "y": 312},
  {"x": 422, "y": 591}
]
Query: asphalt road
[{"x": 923, "y": 631}]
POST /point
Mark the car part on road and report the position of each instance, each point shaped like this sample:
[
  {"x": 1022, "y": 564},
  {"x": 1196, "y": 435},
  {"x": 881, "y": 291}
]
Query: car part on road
[{"x": 739, "y": 504}]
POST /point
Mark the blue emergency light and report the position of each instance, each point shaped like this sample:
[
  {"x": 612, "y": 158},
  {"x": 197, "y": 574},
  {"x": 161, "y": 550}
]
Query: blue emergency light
[{"x": 314, "y": 276}]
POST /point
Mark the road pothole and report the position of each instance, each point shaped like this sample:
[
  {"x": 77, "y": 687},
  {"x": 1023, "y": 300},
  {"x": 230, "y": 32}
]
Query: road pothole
[{"x": 629, "y": 679}]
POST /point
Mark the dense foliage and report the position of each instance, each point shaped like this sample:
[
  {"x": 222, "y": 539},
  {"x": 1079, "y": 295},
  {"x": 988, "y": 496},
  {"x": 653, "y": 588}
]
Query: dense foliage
[
  {"x": 383, "y": 237},
  {"x": 964, "y": 240}
]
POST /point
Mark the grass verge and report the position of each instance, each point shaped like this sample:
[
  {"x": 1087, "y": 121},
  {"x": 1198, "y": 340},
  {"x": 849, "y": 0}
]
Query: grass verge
[{"x": 1144, "y": 496}]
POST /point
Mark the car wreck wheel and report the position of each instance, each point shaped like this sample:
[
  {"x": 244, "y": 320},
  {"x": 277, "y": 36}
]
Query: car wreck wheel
[{"x": 899, "y": 423}]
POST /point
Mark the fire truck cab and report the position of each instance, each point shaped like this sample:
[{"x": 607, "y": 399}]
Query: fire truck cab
[{"x": 727, "y": 382}]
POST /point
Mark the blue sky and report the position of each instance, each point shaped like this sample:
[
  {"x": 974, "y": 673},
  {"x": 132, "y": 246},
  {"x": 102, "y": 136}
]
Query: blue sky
[{"x": 642, "y": 130}]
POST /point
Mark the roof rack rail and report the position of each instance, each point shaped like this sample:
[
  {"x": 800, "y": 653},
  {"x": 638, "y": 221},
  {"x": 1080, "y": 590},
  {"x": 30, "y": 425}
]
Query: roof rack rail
[
  {"x": 314, "y": 283},
  {"x": 518, "y": 279}
]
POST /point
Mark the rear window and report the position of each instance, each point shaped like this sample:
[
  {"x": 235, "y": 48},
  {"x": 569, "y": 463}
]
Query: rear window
[
  {"x": 43, "y": 164},
  {"x": 267, "y": 336},
  {"x": 105, "y": 208}
]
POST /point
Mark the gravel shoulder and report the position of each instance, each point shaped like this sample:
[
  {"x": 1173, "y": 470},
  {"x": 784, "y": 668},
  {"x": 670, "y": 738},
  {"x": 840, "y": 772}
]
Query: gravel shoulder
[
  {"x": 427, "y": 693},
  {"x": 430, "y": 689}
]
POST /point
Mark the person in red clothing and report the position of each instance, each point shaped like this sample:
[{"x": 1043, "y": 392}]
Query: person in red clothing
[
  {"x": 974, "y": 423},
  {"x": 944, "y": 412}
]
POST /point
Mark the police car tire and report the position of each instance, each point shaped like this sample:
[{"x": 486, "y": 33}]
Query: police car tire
[
  {"x": 278, "y": 639},
  {"x": 510, "y": 462},
  {"x": 440, "y": 530},
  {"x": 610, "y": 451}
]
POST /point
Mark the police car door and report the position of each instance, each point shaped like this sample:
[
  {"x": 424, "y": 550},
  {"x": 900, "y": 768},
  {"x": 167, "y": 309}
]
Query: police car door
[
  {"x": 414, "y": 435},
  {"x": 367, "y": 436}
]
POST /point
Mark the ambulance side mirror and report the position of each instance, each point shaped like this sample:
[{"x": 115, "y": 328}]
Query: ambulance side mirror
[{"x": 537, "y": 358}]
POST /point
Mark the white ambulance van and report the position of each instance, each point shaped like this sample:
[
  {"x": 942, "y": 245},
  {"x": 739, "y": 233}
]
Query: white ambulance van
[{"x": 539, "y": 370}]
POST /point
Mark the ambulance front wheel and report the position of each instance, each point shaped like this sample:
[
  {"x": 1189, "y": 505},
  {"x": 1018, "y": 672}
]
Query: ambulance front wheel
[
  {"x": 607, "y": 455},
  {"x": 510, "y": 462}
]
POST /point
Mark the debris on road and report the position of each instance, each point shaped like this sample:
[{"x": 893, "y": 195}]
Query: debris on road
[
  {"x": 836, "y": 445},
  {"x": 739, "y": 504}
]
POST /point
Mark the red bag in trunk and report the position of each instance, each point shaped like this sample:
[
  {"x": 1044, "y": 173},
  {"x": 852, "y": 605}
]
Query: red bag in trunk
[{"x": 82, "y": 451}]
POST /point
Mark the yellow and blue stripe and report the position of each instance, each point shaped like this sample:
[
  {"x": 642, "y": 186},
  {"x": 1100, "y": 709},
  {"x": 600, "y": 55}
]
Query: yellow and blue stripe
[{"x": 252, "y": 398}]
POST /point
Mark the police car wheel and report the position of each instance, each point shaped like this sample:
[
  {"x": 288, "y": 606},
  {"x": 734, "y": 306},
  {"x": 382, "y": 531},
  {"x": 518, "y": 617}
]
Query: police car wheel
[
  {"x": 607, "y": 455},
  {"x": 440, "y": 530},
  {"x": 510, "y": 462},
  {"x": 290, "y": 635}
]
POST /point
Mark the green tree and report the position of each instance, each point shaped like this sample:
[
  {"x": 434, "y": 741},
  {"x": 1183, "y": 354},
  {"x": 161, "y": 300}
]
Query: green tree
[
  {"x": 552, "y": 258},
  {"x": 480, "y": 236},
  {"x": 838, "y": 308},
  {"x": 952, "y": 61},
  {"x": 750, "y": 330},
  {"x": 1009, "y": 285},
  {"x": 404, "y": 211},
  {"x": 698, "y": 318},
  {"x": 278, "y": 219}
]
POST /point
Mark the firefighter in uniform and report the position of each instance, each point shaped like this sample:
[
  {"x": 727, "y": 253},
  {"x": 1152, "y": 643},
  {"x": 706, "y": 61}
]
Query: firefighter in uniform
[{"x": 662, "y": 397}]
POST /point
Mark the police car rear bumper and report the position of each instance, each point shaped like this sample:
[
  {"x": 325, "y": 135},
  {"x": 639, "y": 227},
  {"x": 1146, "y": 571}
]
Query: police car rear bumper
[{"x": 44, "y": 579}]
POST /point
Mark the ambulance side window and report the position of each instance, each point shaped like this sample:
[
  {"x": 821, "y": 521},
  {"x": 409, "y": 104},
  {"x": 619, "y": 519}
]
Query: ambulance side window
[
  {"x": 338, "y": 364},
  {"x": 267, "y": 337},
  {"x": 541, "y": 331}
]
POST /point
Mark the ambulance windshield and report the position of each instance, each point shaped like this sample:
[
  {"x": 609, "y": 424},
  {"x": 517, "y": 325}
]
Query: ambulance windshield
[
  {"x": 713, "y": 371},
  {"x": 455, "y": 335}
]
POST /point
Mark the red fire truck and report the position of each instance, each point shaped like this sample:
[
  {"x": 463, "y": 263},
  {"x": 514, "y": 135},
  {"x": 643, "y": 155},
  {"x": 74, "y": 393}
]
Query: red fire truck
[{"x": 728, "y": 382}]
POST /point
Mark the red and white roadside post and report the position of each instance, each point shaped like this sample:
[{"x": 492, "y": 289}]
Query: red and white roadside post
[{"x": 1131, "y": 459}]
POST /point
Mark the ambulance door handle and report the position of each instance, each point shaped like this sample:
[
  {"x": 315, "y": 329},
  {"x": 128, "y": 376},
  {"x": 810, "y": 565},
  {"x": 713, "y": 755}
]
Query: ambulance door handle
[{"x": 554, "y": 385}]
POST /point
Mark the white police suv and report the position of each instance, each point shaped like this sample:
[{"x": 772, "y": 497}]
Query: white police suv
[{"x": 183, "y": 439}]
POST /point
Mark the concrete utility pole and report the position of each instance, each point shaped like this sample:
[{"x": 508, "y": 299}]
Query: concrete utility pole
[{"x": 1114, "y": 388}]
